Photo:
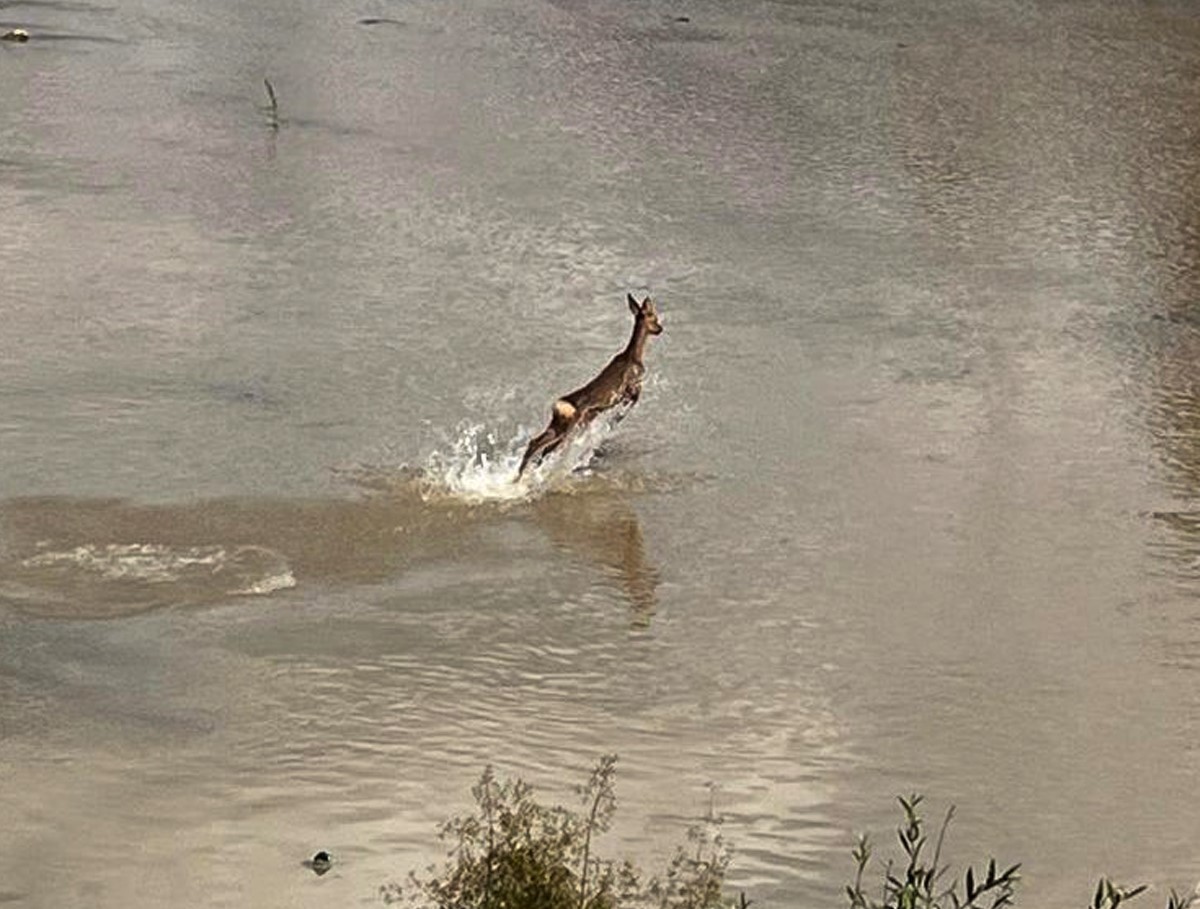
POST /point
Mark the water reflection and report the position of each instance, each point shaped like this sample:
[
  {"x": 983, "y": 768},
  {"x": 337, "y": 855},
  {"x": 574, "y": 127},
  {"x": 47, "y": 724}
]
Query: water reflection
[
  {"x": 98, "y": 558},
  {"x": 1174, "y": 423},
  {"x": 1175, "y": 412},
  {"x": 1167, "y": 207},
  {"x": 1170, "y": 205},
  {"x": 605, "y": 529}
]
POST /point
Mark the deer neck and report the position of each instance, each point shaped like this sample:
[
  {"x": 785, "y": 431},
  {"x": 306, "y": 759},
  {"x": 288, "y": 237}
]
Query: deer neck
[{"x": 636, "y": 347}]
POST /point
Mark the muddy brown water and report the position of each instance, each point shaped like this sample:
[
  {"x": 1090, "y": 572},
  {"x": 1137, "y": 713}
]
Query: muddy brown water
[{"x": 909, "y": 502}]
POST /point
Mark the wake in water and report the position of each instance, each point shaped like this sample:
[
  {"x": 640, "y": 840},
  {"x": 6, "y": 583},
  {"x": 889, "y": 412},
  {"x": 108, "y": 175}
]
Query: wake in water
[
  {"x": 478, "y": 467},
  {"x": 238, "y": 570}
]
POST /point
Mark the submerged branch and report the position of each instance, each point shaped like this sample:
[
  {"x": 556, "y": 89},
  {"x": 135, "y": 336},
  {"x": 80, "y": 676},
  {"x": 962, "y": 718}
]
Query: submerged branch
[{"x": 274, "y": 103}]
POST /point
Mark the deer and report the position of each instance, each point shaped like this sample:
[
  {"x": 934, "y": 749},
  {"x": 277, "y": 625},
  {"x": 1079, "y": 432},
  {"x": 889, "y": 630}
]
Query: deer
[{"x": 618, "y": 384}]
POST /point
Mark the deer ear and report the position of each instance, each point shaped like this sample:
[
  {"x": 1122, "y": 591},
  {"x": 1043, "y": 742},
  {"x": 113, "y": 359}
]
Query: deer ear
[
  {"x": 648, "y": 306},
  {"x": 633, "y": 304}
]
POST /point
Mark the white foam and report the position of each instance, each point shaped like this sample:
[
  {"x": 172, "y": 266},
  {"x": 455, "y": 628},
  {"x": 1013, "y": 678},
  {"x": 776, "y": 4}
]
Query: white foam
[
  {"x": 258, "y": 571},
  {"x": 241, "y": 570},
  {"x": 147, "y": 562},
  {"x": 478, "y": 468},
  {"x": 283, "y": 581}
]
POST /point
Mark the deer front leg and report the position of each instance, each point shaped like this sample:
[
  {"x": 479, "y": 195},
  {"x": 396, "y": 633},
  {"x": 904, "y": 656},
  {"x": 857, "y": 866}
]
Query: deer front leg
[{"x": 629, "y": 397}]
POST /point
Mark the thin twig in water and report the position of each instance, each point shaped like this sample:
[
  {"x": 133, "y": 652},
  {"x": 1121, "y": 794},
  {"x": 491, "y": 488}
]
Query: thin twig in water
[
  {"x": 274, "y": 103},
  {"x": 937, "y": 858}
]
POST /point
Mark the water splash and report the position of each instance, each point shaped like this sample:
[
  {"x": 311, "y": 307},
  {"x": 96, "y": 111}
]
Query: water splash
[{"x": 480, "y": 467}]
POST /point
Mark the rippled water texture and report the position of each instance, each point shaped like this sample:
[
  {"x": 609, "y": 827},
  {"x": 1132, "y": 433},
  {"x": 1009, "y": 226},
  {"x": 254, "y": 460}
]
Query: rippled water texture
[{"x": 910, "y": 501}]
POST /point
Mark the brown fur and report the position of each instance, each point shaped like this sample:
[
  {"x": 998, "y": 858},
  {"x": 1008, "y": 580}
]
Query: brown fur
[{"x": 620, "y": 382}]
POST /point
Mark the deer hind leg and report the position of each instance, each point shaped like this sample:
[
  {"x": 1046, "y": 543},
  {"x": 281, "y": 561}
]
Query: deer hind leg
[{"x": 562, "y": 418}]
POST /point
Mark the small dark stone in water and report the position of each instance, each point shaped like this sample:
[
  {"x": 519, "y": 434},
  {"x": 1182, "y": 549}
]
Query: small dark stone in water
[
  {"x": 320, "y": 863},
  {"x": 683, "y": 18},
  {"x": 376, "y": 20},
  {"x": 16, "y": 34}
]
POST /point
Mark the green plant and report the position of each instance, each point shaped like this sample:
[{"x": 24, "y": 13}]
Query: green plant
[
  {"x": 1175, "y": 901},
  {"x": 600, "y": 799},
  {"x": 695, "y": 876},
  {"x": 515, "y": 853},
  {"x": 920, "y": 883},
  {"x": 1110, "y": 896}
]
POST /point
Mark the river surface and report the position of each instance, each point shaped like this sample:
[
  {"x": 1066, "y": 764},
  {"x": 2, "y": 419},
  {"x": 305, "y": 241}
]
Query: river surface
[{"x": 911, "y": 501}]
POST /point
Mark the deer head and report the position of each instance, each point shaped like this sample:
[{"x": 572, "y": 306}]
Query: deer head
[{"x": 645, "y": 312}]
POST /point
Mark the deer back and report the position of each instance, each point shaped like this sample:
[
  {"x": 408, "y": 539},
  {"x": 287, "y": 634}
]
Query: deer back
[{"x": 608, "y": 388}]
